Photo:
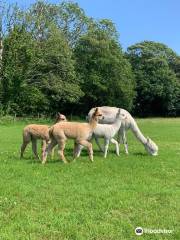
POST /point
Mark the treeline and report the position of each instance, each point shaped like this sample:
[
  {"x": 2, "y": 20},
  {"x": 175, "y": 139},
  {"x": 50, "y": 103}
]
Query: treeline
[{"x": 55, "y": 58}]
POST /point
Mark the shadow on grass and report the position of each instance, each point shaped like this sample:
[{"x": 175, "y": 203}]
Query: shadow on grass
[
  {"x": 140, "y": 154},
  {"x": 68, "y": 152},
  {"x": 28, "y": 158}
]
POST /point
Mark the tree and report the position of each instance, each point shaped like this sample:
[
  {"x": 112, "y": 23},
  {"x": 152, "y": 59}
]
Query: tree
[
  {"x": 71, "y": 19},
  {"x": 37, "y": 64},
  {"x": 66, "y": 16},
  {"x": 106, "y": 76},
  {"x": 43, "y": 71},
  {"x": 157, "y": 85},
  {"x": 18, "y": 53},
  {"x": 53, "y": 72},
  {"x": 54, "y": 57}
]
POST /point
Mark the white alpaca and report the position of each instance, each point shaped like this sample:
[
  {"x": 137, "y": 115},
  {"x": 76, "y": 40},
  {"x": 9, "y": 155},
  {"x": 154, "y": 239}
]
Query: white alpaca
[
  {"x": 107, "y": 131},
  {"x": 109, "y": 115}
]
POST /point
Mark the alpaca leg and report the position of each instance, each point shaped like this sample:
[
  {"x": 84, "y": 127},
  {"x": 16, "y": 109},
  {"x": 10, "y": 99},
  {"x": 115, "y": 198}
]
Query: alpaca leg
[
  {"x": 120, "y": 137},
  {"x": 88, "y": 145},
  {"x": 116, "y": 144},
  {"x": 23, "y": 147},
  {"x": 61, "y": 144},
  {"x": 49, "y": 148},
  {"x": 99, "y": 145},
  {"x": 26, "y": 141},
  {"x": 77, "y": 150},
  {"x": 106, "y": 145},
  {"x": 52, "y": 153},
  {"x": 125, "y": 142},
  {"x": 34, "y": 147},
  {"x": 43, "y": 147}
]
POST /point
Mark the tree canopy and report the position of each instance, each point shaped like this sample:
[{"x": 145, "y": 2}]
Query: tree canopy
[
  {"x": 53, "y": 57},
  {"x": 106, "y": 76},
  {"x": 155, "y": 67}
]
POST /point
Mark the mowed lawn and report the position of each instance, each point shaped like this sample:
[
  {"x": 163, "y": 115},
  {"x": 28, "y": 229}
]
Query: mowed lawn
[{"x": 103, "y": 200}]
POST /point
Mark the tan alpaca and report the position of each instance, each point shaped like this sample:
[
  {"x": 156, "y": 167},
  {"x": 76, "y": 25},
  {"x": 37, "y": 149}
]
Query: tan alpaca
[
  {"x": 80, "y": 132},
  {"x": 32, "y": 132}
]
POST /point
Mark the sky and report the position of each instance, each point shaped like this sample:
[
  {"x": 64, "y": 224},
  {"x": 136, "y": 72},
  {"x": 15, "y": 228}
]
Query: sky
[{"x": 135, "y": 20}]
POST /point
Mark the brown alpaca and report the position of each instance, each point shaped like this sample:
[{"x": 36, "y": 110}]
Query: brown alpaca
[
  {"x": 80, "y": 132},
  {"x": 33, "y": 132}
]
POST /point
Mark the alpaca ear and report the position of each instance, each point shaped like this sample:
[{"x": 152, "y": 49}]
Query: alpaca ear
[
  {"x": 58, "y": 114},
  {"x": 122, "y": 115},
  {"x": 148, "y": 139},
  {"x": 96, "y": 110}
]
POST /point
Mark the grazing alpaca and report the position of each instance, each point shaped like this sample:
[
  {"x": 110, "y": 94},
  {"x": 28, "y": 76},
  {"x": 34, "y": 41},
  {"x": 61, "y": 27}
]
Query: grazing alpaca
[
  {"x": 32, "y": 132},
  {"x": 80, "y": 132},
  {"x": 106, "y": 131},
  {"x": 109, "y": 114}
]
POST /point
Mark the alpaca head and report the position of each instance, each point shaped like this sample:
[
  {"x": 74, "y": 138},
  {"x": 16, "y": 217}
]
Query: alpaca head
[
  {"x": 120, "y": 115},
  {"x": 60, "y": 118},
  {"x": 97, "y": 115},
  {"x": 151, "y": 147}
]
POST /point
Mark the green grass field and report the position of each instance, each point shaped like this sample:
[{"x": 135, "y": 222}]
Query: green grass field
[{"x": 103, "y": 200}]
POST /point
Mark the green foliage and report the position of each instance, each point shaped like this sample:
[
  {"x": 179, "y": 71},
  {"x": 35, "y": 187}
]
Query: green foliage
[
  {"x": 41, "y": 70},
  {"x": 106, "y": 75},
  {"x": 157, "y": 84},
  {"x": 17, "y": 56},
  {"x": 53, "y": 71},
  {"x": 55, "y": 58},
  {"x": 71, "y": 19}
]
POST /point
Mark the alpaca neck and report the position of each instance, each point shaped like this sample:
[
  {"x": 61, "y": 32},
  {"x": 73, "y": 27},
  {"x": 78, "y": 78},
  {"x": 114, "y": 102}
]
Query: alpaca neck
[
  {"x": 116, "y": 125},
  {"x": 93, "y": 122},
  {"x": 138, "y": 134}
]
